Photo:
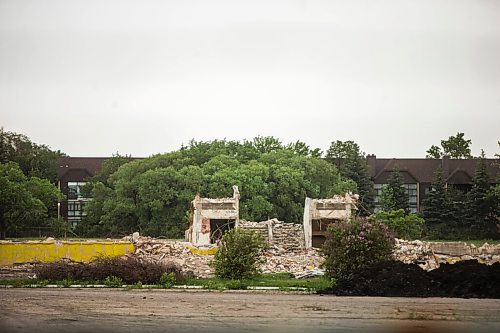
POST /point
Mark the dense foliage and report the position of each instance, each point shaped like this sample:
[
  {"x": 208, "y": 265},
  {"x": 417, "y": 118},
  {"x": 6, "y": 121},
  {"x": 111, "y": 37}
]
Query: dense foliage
[
  {"x": 24, "y": 201},
  {"x": 238, "y": 255},
  {"x": 452, "y": 214},
  {"x": 356, "y": 244},
  {"x": 153, "y": 195},
  {"x": 351, "y": 163},
  {"x": 403, "y": 225},
  {"x": 33, "y": 159},
  {"x": 394, "y": 196},
  {"x": 455, "y": 147}
]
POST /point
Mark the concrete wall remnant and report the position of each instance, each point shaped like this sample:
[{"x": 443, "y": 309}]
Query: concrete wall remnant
[
  {"x": 212, "y": 217},
  {"x": 288, "y": 236},
  {"x": 319, "y": 213}
]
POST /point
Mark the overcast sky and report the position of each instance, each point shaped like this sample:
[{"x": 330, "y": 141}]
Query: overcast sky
[{"x": 93, "y": 78}]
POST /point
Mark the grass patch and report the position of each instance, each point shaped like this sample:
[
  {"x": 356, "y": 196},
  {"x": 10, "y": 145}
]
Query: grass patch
[
  {"x": 284, "y": 281},
  {"x": 281, "y": 280}
]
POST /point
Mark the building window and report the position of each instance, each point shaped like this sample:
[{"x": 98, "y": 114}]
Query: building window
[
  {"x": 411, "y": 191},
  {"x": 75, "y": 208},
  {"x": 74, "y": 190}
]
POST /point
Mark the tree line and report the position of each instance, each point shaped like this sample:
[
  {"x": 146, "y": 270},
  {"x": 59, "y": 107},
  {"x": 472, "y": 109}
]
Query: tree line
[
  {"x": 153, "y": 195},
  {"x": 28, "y": 196}
]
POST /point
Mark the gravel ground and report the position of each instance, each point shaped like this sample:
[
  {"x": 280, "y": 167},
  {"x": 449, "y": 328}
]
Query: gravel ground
[{"x": 112, "y": 310}]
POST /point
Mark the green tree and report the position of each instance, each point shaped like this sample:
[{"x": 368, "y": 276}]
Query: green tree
[
  {"x": 267, "y": 144},
  {"x": 386, "y": 200},
  {"x": 438, "y": 207},
  {"x": 481, "y": 204},
  {"x": 434, "y": 152},
  {"x": 405, "y": 226},
  {"x": 399, "y": 195},
  {"x": 455, "y": 147},
  {"x": 153, "y": 195},
  {"x": 351, "y": 163},
  {"x": 110, "y": 166},
  {"x": 23, "y": 201},
  {"x": 33, "y": 159}
]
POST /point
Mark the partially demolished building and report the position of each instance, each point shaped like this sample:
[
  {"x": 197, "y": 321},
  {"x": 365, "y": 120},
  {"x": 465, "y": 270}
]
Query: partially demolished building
[
  {"x": 212, "y": 217},
  {"x": 319, "y": 213}
]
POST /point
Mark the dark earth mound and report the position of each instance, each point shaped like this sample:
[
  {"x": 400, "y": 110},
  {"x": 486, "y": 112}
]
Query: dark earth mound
[{"x": 466, "y": 279}]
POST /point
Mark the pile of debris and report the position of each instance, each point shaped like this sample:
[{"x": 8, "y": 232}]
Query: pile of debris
[
  {"x": 196, "y": 259},
  {"x": 429, "y": 255},
  {"x": 305, "y": 262},
  {"x": 192, "y": 260},
  {"x": 299, "y": 263}
]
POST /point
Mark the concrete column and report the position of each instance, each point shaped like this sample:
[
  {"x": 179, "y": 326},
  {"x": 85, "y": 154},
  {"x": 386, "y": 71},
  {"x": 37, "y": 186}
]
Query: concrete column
[
  {"x": 307, "y": 224},
  {"x": 270, "y": 231}
]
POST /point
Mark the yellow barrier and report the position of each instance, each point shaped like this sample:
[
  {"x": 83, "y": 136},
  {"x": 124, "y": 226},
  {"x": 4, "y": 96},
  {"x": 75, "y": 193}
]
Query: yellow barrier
[
  {"x": 26, "y": 252},
  {"x": 202, "y": 252}
]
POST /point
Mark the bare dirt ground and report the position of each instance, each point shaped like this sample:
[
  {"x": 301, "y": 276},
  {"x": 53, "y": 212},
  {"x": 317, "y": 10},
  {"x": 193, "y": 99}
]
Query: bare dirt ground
[{"x": 112, "y": 310}]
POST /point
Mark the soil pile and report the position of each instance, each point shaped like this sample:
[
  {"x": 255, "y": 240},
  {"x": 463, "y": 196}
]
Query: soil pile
[{"x": 466, "y": 279}]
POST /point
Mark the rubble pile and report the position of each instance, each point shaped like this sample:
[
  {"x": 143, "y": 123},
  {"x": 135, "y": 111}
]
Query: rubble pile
[
  {"x": 290, "y": 258},
  {"x": 196, "y": 259},
  {"x": 279, "y": 260},
  {"x": 429, "y": 255},
  {"x": 192, "y": 260}
]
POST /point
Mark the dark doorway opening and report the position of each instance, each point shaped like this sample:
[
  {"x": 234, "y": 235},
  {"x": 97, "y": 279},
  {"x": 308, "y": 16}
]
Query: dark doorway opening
[
  {"x": 218, "y": 227},
  {"x": 320, "y": 231}
]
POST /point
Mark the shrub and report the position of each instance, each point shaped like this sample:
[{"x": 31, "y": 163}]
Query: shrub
[
  {"x": 167, "y": 280},
  {"x": 130, "y": 270},
  {"x": 236, "y": 285},
  {"x": 406, "y": 226},
  {"x": 238, "y": 255},
  {"x": 113, "y": 281},
  {"x": 355, "y": 244}
]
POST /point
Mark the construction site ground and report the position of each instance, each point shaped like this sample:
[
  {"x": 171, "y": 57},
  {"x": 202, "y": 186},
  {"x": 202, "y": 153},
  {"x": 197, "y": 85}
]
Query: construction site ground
[{"x": 115, "y": 310}]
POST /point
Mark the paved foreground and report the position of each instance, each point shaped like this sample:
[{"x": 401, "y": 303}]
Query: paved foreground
[{"x": 112, "y": 310}]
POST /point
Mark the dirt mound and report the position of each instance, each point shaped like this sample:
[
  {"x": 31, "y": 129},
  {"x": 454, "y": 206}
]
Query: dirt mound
[{"x": 467, "y": 279}]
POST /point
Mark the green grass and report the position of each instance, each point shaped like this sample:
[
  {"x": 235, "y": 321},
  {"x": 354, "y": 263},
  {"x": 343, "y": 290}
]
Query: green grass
[
  {"x": 283, "y": 281},
  {"x": 280, "y": 280}
]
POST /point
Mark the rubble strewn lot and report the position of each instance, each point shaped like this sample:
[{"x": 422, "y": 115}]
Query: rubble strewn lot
[
  {"x": 299, "y": 261},
  {"x": 289, "y": 259},
  {"x": 430, "y": 255},
  {"x": 197, "y": 259}
]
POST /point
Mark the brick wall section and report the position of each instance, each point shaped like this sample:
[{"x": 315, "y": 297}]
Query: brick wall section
[{"x": 289, "y": 236}]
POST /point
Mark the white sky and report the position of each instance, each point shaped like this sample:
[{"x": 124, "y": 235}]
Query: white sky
[{"x": 92, "y": 78}]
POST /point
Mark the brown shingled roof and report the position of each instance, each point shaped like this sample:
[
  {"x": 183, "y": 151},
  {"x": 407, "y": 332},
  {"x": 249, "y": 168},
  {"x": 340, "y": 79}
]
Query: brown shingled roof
[{"x": 423, "y": 169}]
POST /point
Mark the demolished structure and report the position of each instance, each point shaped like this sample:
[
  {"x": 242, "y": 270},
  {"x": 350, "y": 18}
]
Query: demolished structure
[
  {"x": 212, "y": 217},
  {"x": 319, "y": 213}
]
